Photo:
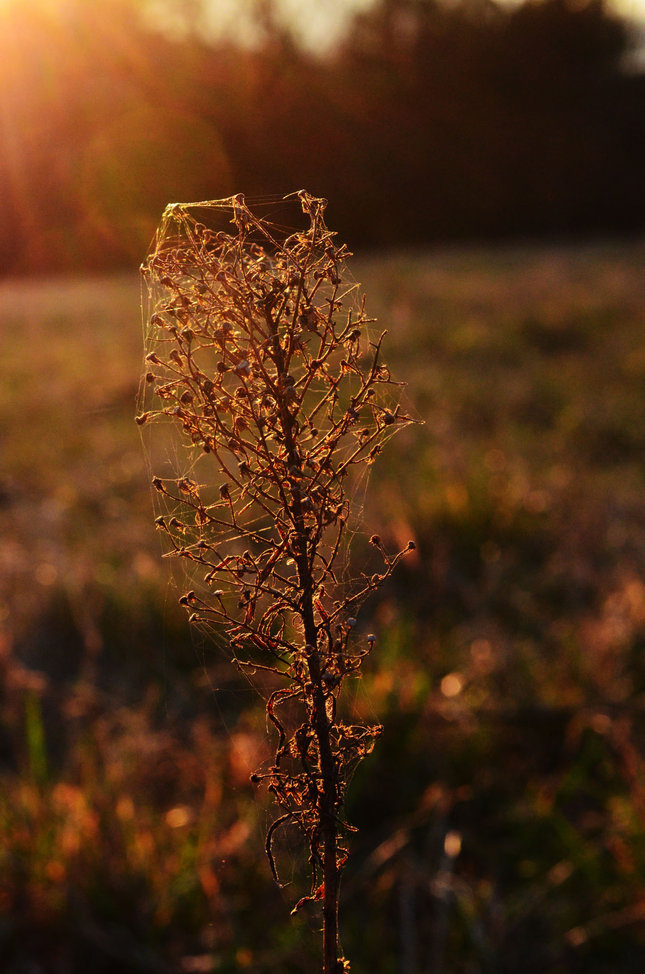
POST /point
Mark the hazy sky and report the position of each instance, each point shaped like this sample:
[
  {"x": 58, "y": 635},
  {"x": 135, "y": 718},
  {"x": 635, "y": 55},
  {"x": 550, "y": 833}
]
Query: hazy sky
[
  {"x": 322, "y": 21},
  {"x": 635, "y": 9}
]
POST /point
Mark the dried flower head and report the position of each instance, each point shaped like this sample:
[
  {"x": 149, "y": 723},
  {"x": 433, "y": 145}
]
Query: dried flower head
[{"x": 261, "y": 357}]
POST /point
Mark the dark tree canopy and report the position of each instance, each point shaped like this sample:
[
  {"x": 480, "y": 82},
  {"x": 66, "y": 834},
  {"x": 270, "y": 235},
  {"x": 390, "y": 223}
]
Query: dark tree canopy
[{"x": 427, "y": 121}]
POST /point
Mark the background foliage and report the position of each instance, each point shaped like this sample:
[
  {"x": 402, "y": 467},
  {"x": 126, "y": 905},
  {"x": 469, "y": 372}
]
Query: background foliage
[
  {"x": 423, "y": 121},
  {"x": 501, "y": 815}
]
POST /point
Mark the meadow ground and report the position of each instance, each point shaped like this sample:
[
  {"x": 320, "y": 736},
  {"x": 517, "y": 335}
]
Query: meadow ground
[{"x": 502, "y": 815}]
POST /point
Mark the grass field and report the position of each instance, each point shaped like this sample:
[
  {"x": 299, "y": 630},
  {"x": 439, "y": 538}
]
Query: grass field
[{"x": 502, "y": 815}]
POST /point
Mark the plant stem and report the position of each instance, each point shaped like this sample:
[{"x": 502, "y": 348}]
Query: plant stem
[
  {"x": 255, "y": 359},
  {"x": 327, "y": 811},
  {"x": 321, "y": 723}
]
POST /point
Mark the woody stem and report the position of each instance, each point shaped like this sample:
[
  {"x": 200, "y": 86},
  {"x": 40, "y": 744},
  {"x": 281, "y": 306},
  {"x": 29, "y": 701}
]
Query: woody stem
[{"x": 321, "y": 723}]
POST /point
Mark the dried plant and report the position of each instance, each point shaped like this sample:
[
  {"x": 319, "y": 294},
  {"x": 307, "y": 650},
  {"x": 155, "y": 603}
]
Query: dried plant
[{"x": 260, "y": 355}]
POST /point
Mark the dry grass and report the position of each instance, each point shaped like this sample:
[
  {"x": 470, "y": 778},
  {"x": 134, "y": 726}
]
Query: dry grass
[{"x": 509, "y": 671}]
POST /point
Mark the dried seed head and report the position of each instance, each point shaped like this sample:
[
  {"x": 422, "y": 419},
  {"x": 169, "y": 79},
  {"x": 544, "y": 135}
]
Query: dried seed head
[
  {"x": 308, "y": 319},
  {"x": 265, "y": 377}
]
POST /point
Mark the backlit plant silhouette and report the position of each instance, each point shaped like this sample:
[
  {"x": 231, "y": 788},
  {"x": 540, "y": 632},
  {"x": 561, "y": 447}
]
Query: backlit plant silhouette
[{"x": 260, "y": 355}]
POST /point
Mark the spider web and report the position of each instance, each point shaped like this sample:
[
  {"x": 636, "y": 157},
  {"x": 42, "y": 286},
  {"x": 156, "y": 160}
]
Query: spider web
[
  {"x": 193, "y": 233},
  {"x": 205, "y": 279}
]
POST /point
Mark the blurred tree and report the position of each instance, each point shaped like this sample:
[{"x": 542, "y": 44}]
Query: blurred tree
[
  {"x": 428, "y": 121},
  {"x": 496, "y": 118}
]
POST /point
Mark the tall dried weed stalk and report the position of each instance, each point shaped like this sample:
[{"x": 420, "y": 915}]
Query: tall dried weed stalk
[{"x": 260, "y": 354}]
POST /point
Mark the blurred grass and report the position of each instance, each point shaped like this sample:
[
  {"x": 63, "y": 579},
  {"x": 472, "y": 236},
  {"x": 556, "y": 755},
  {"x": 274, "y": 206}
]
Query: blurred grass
[{"x": 502, "y": 815}]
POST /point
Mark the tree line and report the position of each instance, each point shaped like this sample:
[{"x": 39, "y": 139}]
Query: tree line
[{"x": 426, "y": 121}]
